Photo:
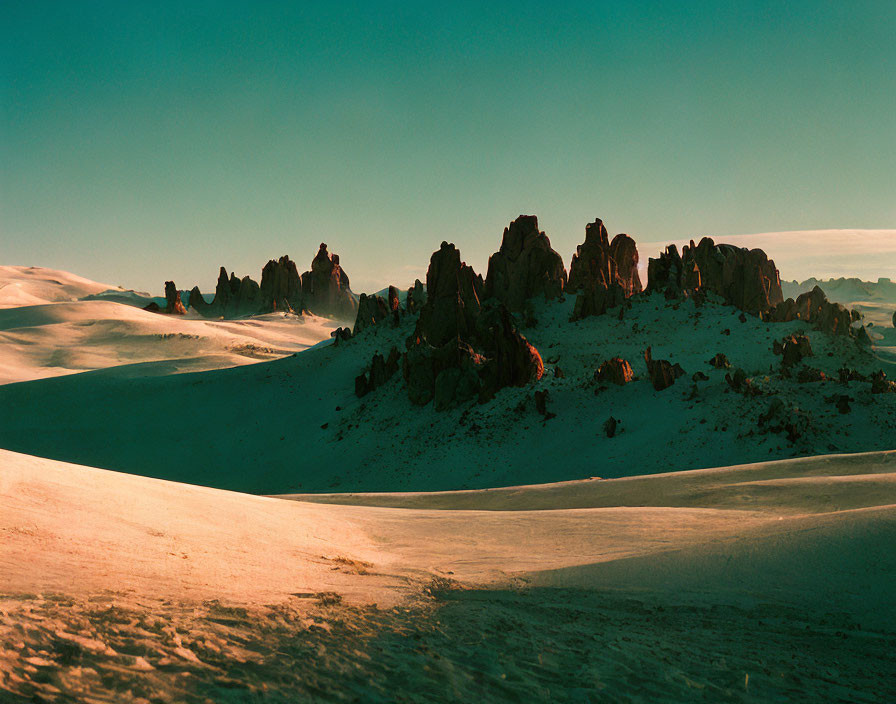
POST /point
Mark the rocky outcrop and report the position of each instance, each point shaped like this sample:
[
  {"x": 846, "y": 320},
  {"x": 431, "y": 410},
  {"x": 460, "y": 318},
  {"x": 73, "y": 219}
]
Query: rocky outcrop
[
  {"x": 416, "y": 297},
  {"x": 341, "y": 335},
  {"x": 325, "y": 288},
  {"x": 372, "y": 310},
  {"x": 793, "y": 349},
  {"x": 602, "y": 273},
  {"x": 381, "y": 370},
  {"x": 720, "y": 361},
  {"x": 197, "y": 302},
  {"x": 281, "y": 286},
  {"x": 461, "y": 349},
  {"x": 625, "y": 253},
  {"x": 744, "y": 278},
  {"x": 394, "y": 301},
  {"x": 234, "y": 297},
  {"x": 614, "y": 371},
  {"x": 525, "y": 266},
  {"x": 814, "y": 308},
  {"x": 661, "y": 372},
  {"x": 173, "y": 304},
  {"x": 453, "y": 298}
]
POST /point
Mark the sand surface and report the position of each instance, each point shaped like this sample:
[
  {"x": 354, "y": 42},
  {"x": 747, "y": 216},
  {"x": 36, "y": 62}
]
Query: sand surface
[
  {"x": 53, "y": 323},
  {"x": 132, "y": 586}
]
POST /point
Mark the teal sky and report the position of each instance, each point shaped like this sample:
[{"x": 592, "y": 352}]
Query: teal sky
[{"x": 145, "y": 141}]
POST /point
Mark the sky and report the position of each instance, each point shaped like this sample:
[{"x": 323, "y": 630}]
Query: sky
[{"x": 148, "y": 141}]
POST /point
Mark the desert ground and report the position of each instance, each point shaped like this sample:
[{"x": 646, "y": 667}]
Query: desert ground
[
  {"x": 761, "y": 582},
  {"x": 174, "y": 527}
]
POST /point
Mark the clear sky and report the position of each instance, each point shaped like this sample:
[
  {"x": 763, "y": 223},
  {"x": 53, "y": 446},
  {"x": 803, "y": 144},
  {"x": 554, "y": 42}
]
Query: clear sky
[{"x": 145, "y": 141}]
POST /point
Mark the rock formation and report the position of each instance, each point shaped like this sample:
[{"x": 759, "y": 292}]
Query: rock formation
[
  {"x": 661, "y": 372},
  {"x": 793, "y": 349},
  {"x": 381, "y": 370},
  {"x": 744, "y": 278},
  {"x": 814, "y": 308},
  {"x": 720, "y": 361},
  {"x": 525, "y": 266},
  {"x": 603, "y": 273},
  {"x": 197, "y": 302},
  {"x": 461, "y": 350},
  {"x": 173, "y": 304},
  {"x": 614, "y": 371},
  {"x": 326, "y": 288},
  {"x": 372, "y": 310},
  {"x": 281, "y": 286},
  {"x": 416, "y": 297}
]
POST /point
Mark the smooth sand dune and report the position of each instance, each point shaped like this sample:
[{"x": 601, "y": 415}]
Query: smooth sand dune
[
  {"x": 68, "y": 527},
  {"x": 32, "y": 285},
  {"x": 46, "y": 331},
  {"x": 115, "y": 587}
]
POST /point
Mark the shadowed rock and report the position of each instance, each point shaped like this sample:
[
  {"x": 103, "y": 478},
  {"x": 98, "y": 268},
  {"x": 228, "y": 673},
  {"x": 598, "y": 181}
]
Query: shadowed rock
[
  {"x": 416, "y": 297},
  {"x": 372, "y": 310},
  {"x": 281, "y": 286},
  {"x": 325, "y": 288},
  {"x": 661, "y": 372},
  {"x": 461, "y": 350},
  {"x": 601, "y": 280},
  {"x": 381, "y": 370},
  {"x": 744, "y": 278},
  {"x": 525, "y": 266},
  {"x": 197, "y": 302},
  {"x": 793, "y": 349},
  {"x": 173, "y": 304},
  {"x": 814, "y": 308}
]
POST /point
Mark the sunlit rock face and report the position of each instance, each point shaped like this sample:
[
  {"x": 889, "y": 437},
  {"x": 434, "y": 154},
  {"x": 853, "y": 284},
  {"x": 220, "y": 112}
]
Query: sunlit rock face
[
  {"x": 525, "y": 266},
  {"x": 602, "y": 273},
  {"x": 462, "y": 349},
  {"x": 744, "y": 278}
]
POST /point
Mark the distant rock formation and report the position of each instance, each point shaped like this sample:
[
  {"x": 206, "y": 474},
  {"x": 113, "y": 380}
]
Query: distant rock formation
[
  {"x": 460, "y": 349},
  {"x": 614, "y": 371},
  {"x": 173, "y": 304},
  {"x": 324, "y": 290},
  {"x": 814, "y": 308},
  {"x": 525, "y": 266},
  {"x": 372, "y": 310},
  {"x": 281, "y": 286},
  {"x": 197, "y": 302},
  {"x": 326, "y": 287},
  {"x": 416, "y": 297},
  {"x": 744, "y": 278},
  {"x": 661, "y": 372},
  {"x": 603, "y": 273}
]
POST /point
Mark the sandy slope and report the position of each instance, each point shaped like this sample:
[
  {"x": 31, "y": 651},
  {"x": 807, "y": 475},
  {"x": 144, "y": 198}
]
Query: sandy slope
[
  {"x": 295, "y": 424},
  {"x": 32, "y": 285},
  {"x": 242, "y": 581},
  {"x": 53, "y": 323}
]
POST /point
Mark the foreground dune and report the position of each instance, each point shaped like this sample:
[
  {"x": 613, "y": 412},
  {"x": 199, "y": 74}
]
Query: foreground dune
[{"x": 807, "y": 542}]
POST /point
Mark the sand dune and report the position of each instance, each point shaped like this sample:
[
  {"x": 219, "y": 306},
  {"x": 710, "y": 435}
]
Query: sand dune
[
  {"x": 209, "y": 542},
  {"x": 148, "y": 580},
  {"x": 47, "y": 330}
]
